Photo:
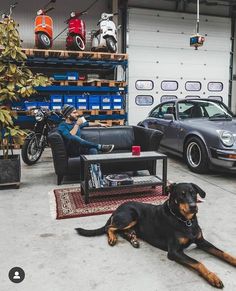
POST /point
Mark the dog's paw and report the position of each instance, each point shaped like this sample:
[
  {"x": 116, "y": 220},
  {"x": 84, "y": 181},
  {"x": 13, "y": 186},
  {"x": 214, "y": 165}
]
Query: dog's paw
[
  {"x": 135, "y": 243},
  {"x": 112, "y": 240},
  {"x": 215, "y": 281}
]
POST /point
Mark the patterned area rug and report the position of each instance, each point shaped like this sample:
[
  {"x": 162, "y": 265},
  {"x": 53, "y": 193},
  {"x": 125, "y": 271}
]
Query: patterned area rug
[{"x": 69, "y": 203}]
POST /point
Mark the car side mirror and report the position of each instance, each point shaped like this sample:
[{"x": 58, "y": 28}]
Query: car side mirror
[{"x": 168, "y": 117}]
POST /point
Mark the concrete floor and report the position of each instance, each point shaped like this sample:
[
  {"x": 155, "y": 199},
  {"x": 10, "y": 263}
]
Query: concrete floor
[{"x": 55, "y": 258}]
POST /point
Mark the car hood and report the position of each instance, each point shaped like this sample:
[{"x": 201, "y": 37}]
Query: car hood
[{"x": 229, "y": 125}]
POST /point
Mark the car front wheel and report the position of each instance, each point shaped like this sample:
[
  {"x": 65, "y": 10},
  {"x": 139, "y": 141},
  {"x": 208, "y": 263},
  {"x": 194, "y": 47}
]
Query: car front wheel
[{"x": 196, "y": 156}]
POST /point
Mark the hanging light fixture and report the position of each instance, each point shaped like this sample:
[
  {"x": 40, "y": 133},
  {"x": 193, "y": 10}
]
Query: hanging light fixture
[{"x": 197, "y": 40}]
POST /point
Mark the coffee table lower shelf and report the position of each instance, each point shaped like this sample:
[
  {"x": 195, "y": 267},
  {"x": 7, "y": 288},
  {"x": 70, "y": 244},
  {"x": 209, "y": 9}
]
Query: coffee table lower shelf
[{"x": 106, "y": 189}]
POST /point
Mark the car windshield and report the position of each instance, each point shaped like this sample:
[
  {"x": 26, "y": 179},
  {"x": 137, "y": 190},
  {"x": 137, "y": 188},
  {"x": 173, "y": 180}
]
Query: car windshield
[{"x": 203, "y": 108}]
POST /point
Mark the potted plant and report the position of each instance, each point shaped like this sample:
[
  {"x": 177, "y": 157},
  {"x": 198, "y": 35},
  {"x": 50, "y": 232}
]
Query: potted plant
[{"x": 16, "y": 82}]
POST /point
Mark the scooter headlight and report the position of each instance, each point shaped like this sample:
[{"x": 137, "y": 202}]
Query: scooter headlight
[{"x": 226, "y": 137}]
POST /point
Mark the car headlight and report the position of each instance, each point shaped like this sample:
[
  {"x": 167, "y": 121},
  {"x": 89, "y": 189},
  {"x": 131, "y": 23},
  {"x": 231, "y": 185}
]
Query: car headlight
[{"x": 226, "y": 137}]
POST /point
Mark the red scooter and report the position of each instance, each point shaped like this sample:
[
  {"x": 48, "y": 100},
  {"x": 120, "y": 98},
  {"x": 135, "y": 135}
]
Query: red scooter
[
  {"x": 44, "y": 27},
  {"x": 76, "y": 36}
]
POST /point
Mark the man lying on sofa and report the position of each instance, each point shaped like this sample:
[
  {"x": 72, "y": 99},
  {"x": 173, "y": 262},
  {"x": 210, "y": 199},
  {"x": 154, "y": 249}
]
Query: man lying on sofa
[{"x": 70, "y": 130}]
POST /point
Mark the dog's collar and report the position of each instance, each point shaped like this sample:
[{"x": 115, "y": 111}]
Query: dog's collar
[{"x": 186, "y": 222}]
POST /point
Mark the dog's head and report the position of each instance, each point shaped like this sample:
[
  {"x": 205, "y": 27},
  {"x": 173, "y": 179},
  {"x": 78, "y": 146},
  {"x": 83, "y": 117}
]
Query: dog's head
[{"x": 184, "y": 197}]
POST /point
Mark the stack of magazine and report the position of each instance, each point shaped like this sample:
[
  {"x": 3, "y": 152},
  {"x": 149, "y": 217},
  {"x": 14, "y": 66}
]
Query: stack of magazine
[
  {"x": 96, "y": 176},
  {"x": 98, "y": 180}
]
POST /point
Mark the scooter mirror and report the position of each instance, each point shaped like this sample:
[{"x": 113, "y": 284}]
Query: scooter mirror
[{"x": 40, "y": 12}]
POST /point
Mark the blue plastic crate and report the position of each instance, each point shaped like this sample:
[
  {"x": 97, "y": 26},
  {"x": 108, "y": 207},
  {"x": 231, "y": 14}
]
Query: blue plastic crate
[
  {"x": 30, "y": 105},
  {"x": 56, "y": 105},
  {"x": 82, "y": 102},
  {"x": 117, "y": 106},
  {"x": 94, "y": 102},
  {"x": 56, "y": 98},
  {"x": 72, "y": 76},
  {"x": 117, "y": 102},
  {"x": 117, "y": 99},
  {"x": 94, "y": 105},
  {"x": 106, "y": 98},
  {"x": 106, "y": 106},
  {"x": 106, "y": 102},
  {"x": 59, "y": 77},
  {"x": 94, "y": 99},
  {"x": 44, "y": 105},
  {"x": 70, "y": 100}
]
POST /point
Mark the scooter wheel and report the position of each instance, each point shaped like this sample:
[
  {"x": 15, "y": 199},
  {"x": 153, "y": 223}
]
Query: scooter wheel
[
  {"x": 78, "y": 43},
  {"x": 43, "y": 41},
  {"x": 111, "y": 45}
]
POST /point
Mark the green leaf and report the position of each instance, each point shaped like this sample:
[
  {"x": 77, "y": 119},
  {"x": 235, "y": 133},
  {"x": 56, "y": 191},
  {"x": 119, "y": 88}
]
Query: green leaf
[{"x": 13, "y": 54}]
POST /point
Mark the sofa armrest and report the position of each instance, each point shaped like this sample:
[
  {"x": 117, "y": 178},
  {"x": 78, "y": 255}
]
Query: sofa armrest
[
  {"x": 59, "y": 154},
  {"x": 149, "y": 139}
]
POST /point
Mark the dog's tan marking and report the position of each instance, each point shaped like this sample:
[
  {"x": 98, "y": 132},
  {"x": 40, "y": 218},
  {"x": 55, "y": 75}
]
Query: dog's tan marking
[
  {"x": 222, "y": 255},
  {"x": 199, "y": 236},
  {"x": 112, "y": 238},
  {"x": 184, "y": 210},
  {"x": 183, "y": 240},
  {"x": 131, "y": 224},
  {"x": 208, "y": 275}
]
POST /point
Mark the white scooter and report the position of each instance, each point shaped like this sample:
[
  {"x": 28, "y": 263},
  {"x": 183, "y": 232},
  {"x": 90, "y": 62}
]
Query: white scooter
[{"x": 105, "y": 38}]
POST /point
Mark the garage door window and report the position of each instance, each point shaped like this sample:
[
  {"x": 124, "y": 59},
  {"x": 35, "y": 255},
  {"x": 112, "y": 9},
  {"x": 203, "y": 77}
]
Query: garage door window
[
  {"x": 168, "y": 97},
  {"x": 169, "y": 85},
  {"x": 215, "y": 86},
  {"x": 219, "y": 98},
  {"x": 144, "y": 85},
  {"x": 144, "y": 100},
  {"x": 193, "y": 86}
]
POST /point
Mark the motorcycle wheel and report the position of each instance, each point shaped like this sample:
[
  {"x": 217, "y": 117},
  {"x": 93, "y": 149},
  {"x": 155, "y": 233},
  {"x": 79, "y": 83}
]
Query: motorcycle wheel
[
  {"x": 43, "y": 41},
  {"x": 78, "y": 43},
  {"x": 111, "y": 45},
  {"x": 30, "y": 151}
]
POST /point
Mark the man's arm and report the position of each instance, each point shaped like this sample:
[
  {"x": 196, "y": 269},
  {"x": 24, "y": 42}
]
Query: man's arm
[{"x": 97, "y": 123}]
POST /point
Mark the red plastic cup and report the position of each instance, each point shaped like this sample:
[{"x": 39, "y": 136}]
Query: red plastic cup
[{"x": 136, "y": 150}]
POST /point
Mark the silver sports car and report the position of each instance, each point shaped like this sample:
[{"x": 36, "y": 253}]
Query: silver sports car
[{"x": 202, "y": 131}]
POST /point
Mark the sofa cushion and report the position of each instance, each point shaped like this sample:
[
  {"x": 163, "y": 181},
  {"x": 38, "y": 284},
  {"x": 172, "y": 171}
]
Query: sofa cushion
[{"x": 121, "y": 136}]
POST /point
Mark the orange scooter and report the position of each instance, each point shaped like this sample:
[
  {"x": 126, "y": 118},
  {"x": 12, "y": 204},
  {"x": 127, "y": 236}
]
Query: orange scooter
[{"x": 44, "y": 27}]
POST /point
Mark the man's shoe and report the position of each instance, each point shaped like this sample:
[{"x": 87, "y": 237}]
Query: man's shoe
[{"x": 107, "y": 148}]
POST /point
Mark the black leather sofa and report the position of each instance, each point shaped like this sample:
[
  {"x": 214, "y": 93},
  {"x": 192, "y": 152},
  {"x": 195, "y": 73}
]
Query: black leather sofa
[{"x": 123, "y": 137}]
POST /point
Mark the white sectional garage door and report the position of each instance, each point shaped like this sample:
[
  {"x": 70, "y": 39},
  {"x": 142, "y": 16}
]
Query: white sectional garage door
[{"x": 163, "y": 65}]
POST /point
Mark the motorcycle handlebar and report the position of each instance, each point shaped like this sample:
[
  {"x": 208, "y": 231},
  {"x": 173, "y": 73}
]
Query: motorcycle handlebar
[{"x": 49, "y": 9}]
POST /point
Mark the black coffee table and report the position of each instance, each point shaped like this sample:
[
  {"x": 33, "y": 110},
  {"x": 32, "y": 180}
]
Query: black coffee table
[{"x": 152, "y": 180}]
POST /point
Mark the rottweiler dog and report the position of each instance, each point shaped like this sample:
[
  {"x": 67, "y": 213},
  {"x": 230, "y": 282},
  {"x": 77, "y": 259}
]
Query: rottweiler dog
[{"x": 172, "y": 227}]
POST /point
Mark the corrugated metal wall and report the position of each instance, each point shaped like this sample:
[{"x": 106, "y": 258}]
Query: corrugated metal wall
[{"x": 26, "y": 10}]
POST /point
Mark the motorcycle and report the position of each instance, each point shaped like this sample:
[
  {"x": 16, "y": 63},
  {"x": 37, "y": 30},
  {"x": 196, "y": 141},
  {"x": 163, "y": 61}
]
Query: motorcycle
[
  {"x": 105, "y": 38},
  {"x": 44, "y": 27},
  {"x": 37, "y": 140},
  {"x": 76, "y": 36}
]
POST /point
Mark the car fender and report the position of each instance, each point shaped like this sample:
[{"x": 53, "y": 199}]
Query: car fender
[{"x": 196, "y": 134}]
